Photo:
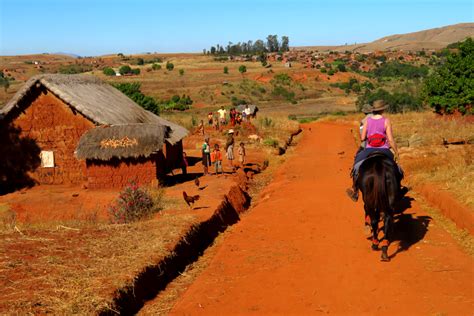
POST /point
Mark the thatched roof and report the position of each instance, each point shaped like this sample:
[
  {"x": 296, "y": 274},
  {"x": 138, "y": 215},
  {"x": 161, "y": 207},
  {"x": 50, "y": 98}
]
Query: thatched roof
[
  {"x": 98, "y": 101},
  {"x": 121, "y": 141}
]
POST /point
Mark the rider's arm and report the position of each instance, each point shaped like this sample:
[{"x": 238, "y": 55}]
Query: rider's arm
[
  {"x": 391, "y": 141},
  {"x": 363, "y": 136}
]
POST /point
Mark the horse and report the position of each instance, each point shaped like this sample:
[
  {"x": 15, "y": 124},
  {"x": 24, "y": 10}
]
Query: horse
[{"x": 379, "y": 183}]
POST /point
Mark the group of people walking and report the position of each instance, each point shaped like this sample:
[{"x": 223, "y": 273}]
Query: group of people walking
[
  {"x": 214, "y": 157},
  {"x": 219, "y": 120}
]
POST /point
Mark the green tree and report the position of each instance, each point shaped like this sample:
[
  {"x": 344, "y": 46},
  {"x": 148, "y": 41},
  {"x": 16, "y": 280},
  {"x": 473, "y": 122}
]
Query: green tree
[
  {"x": 169, "y": 66},
  {"x": 226, "y": 69},
  {"x": 108, "y": 71},
  {"x": 132, "y": 90},
  {"x": 140, "y": 61},
  {"x": 451, "y": 86},
  {"x": 285, "y": 44},
  {"x": 242, "y": 69}
]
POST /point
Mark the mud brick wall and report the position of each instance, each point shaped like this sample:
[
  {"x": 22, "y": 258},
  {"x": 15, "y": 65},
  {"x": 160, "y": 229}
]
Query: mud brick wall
[
  {"x": 55, "y": 127},
  {"x": 118, "y": 173}
]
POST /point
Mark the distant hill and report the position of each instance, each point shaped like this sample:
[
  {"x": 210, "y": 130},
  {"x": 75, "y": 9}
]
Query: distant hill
[
  {"x": 67, "y": 54},
  {"x": 428, "y": 39}
]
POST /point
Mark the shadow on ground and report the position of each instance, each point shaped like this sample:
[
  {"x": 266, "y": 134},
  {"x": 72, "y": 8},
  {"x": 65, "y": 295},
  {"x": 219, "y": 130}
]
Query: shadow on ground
[{"x": 408, "y": 228}]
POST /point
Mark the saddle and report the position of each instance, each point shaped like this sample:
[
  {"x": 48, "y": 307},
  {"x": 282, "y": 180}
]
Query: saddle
[{"x": 355, "y": 169}]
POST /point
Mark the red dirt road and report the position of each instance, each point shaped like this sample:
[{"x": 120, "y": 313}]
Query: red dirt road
[{"x": 303, "y": 250}]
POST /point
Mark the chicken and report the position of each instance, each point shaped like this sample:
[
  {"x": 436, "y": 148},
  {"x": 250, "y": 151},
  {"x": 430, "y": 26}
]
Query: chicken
[
  {"x": 196, "y": 182},
  {"x": 189, "y": 199}
]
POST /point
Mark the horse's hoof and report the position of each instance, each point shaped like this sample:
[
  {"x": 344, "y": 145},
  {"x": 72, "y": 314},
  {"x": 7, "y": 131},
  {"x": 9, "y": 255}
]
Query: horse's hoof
[{"x": 375, "y": 247}]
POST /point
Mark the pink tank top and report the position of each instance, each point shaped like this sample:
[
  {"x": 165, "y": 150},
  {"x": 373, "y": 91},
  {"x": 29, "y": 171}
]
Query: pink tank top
[{"x": 375, "y": 126}]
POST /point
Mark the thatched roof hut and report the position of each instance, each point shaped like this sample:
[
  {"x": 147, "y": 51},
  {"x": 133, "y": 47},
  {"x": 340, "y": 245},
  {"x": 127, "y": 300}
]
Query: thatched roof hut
[
  {"x": 121, "y": 141},
  {"x": 96, "y": 100}
]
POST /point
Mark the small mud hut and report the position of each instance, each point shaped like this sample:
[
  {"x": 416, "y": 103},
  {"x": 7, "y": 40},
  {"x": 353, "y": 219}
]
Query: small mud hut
[{"x": 75, "y": 129}]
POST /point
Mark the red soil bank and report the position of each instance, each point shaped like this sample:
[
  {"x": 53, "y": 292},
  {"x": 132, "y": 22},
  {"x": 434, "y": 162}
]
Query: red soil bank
[{"x": 458, "y": 213}]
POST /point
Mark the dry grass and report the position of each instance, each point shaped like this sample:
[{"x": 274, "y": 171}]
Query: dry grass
[
  {"x": 420, "y": 138},
  {"x": 76, "y": 270}
]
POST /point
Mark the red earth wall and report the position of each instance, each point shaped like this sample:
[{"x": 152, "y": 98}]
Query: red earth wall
[
  {"x": 55, "y": 127},
  {"x": 118, "y": 173}
]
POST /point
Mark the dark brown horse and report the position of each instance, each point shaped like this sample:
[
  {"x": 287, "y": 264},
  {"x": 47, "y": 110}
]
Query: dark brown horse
[{"x": 379, "y": 183}]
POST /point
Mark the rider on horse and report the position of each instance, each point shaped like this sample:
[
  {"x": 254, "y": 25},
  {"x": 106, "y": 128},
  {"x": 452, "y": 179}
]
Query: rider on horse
[{"x": 378, "y": 138}]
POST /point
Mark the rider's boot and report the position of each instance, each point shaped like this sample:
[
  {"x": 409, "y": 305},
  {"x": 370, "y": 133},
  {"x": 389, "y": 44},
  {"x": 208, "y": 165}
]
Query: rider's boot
[{"x": 353, "y": 192}]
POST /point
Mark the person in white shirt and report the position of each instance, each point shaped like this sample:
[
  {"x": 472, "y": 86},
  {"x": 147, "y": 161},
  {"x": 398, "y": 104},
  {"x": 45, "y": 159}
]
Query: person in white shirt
[
  {"x": 222, "y": 116},
  {"x": 247, "y": 112}
]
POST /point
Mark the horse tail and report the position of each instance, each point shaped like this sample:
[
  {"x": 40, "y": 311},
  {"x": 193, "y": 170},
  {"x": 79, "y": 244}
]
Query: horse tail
[{"x": 380, "y": 196}]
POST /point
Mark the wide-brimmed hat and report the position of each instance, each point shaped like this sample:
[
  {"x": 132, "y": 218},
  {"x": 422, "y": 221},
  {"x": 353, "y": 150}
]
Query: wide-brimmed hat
[
  {"x": 379, "y": 105},
  {"x": 366, "y": 108},
  {"x": 231, "y": 131}
]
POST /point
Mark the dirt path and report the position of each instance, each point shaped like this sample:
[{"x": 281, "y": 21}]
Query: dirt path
[{"x": 302, "y": 250}]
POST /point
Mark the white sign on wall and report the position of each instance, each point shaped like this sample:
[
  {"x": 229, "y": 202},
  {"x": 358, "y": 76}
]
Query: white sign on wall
[{"x": 47, "y": 159}]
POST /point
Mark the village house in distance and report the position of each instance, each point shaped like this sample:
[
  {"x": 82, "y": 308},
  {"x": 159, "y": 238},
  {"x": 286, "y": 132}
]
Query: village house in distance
[{"x": 76, "y": 129}]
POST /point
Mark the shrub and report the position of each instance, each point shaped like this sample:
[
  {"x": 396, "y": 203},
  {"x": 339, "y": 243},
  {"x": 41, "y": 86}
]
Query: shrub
[
  {"x": 136, "y": 71},
  {"x": 108, "y": 71},
  {"x": 266, "y": 122},
  {"x": 283, "y": 79},
  {"x": 140, "y": 61},
  {"x": 323, "y": 70},
  {"x": 242, "y": 69},
  {"x": 331, "y": 72},
  {"x": 74, "y": 69},
  {"x": 169, "y": 66},
  {"x": 125, "y": 70},
  {"x": 270, "y": 142},
  {"x": 226, "y": 70},
  {"x": 156, "y": 66},
  {"x": 181, "y": 72},
  {"x": 237, "y": 101},
  {"x": 133, "y": 204},
  {"x": 176, "y": 103},
  {"x": 341, "y": 67}
]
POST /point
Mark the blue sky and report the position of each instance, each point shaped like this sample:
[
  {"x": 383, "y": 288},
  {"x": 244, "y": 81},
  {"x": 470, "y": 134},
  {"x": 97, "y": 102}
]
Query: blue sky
[{"x": 96, "y": 27}]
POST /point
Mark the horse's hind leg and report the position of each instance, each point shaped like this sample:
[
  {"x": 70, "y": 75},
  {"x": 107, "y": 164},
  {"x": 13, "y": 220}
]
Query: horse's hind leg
[
  {"x": 375, "y": 230},
  {"x": 387, "y": 227},
  {"x": 367, "y": 221}
]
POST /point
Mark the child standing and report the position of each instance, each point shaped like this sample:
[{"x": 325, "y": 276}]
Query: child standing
[
  {"x": 242, "y": 154},
  {"x": 210, "y": 118},
  {"x": 206, "y": 155},
  {"x": 216, "y": 158}
]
